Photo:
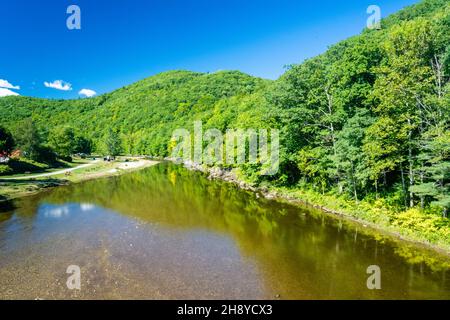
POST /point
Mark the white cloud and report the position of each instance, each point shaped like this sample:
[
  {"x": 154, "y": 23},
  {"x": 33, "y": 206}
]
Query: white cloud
[
  {"x": 59, "y": 85},
  {"x": 6, "y": 92},
  {"x": 87, "y": 93},
  {"x": 7, "y": 85}
]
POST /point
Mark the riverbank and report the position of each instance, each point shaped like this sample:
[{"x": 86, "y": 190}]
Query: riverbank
[
  {"x": 13, "y": 187},
  {"x": 413, "y": 225}
]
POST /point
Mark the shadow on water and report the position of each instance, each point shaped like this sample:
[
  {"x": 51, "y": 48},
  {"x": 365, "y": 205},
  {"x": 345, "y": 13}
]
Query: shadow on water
[
  {"x": 6, "y": 209},
  {"x": 298, "y": 252},
  {"x": 5, "y": 205},
  {"x": 50, "y": 182}
]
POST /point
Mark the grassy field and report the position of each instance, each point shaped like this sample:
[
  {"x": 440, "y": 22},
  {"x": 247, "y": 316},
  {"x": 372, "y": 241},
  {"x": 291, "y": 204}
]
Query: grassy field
[
  {"x": 45, "y": 169},
  {"x": 16, "y": 186}
]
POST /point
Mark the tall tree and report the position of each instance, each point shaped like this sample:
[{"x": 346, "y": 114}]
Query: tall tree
[
  {"x": 63, "y": 141},
  {"x": 352, "y": 161},
  {"x": 7, "y": 142},
  {"x": 404, "y": 81},
  {"x": 435, "y": 173},
  {"x": 28, "y": 139},
  {"x": 113, "y": 143}
]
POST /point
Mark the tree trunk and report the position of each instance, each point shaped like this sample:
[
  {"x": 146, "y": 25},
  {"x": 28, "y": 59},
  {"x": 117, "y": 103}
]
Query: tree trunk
[
  {"x": 403, "y": 186},
  {"x": 354, "y": 183},
  {"x": 376, "y": 189},
  {"x": 422, "y": 198},
  {"x": 331, "y": 127},
  {"x": 411, "y": 170}
]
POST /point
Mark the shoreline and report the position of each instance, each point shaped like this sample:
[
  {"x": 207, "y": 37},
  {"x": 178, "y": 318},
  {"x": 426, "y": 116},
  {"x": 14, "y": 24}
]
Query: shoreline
[
  {"x": 271, "y": 193},
  {"x": 34, "y": 186},
  {"x": 214, "y": 173}
]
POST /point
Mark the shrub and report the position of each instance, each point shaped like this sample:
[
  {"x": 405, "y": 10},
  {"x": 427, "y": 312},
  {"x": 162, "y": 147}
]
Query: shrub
[
  {"x": 26, "y": 165},
  {"x": 5, "y": 170}
]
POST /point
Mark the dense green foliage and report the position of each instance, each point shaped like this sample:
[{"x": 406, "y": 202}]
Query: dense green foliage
[
  {"x": 112, "y": 143},
  {"x": 146, "y": 113},
  {"x": 367, "y": 120},
  {"x": 65, "y": 141},
  {"x": 370, "y": 117},
  {"x": 6, "y": 142},
  {"x": 31, "y": 143}
]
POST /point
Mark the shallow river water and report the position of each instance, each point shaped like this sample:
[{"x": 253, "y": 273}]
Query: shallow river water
[{"x": 169, "y": 233}]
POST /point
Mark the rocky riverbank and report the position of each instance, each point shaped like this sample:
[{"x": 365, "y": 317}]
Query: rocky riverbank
[{"x": 273, "y": 193}]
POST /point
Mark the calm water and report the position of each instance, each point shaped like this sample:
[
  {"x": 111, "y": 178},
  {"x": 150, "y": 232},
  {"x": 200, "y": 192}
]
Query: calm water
[{"x": 168, "y": 233}]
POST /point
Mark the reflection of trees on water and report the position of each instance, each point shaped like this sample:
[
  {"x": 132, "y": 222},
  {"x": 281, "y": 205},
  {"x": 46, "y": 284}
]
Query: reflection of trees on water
[{"x": 302, "y": 254}]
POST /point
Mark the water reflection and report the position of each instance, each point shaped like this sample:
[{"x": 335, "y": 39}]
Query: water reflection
[
  {"x": 55, "y": 212},
  {"x": 170, "y": 233}
]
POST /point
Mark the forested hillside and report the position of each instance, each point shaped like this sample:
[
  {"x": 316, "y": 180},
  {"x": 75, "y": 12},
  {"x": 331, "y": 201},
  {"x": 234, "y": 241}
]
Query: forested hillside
[
  {"x": 371, "y": 115},
  {"x": 145, "y": 114},
  {"x": 366, "y": 120}
]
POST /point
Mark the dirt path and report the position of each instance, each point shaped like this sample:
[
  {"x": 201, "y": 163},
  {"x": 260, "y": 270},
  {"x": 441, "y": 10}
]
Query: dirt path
[{"x": 55, "y": 173}]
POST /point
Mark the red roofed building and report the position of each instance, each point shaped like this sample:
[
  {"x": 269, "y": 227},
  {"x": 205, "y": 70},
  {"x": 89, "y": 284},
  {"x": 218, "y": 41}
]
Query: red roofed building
[{"x": 16, "y": 154}]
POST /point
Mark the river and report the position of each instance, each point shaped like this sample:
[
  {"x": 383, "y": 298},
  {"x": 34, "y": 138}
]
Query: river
[{"x": 169, "y": 233}]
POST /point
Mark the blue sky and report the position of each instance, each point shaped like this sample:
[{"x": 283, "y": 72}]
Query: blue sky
[{"x": 121, "y": 42}]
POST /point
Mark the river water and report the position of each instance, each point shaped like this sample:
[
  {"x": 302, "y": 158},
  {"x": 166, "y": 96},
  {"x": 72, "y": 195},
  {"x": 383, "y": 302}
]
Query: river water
[{"x": 169, "y": 233}]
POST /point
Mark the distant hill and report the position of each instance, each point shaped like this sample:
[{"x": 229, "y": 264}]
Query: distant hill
[{"x": 147, "y": 112}]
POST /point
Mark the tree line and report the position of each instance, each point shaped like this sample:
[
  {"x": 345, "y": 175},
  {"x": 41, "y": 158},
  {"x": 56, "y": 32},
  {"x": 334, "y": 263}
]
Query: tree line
[
  {"x": 60, "y": 143},
  {"x": 370, "y": 117}
]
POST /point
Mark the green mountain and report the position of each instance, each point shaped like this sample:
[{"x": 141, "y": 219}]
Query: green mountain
[
  {"x": 145, "y": 113},
  {"x": 368, "y": 119}
]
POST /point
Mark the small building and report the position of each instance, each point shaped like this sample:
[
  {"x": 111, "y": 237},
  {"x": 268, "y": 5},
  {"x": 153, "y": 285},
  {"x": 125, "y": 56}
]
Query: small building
[
  {"x": 4, "y": 158},
  {"x": 16, "y": 154}
]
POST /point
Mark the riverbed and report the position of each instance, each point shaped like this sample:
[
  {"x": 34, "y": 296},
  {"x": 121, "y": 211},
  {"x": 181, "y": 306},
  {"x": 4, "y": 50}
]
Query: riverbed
[{"x": 169, "y": 233}]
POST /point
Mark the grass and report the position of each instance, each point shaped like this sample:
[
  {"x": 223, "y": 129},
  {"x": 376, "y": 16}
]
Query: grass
[
  {"x": 42, "y": 168},
  {"x": 19, "y": 188},
  {"x": 11, "y": 189}
]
